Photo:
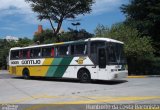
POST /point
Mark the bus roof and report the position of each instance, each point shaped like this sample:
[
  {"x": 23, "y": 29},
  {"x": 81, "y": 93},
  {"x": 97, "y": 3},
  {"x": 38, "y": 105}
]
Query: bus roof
[
  {"x": 104, "y": 39},
  {"x": 70, "y": 42}
]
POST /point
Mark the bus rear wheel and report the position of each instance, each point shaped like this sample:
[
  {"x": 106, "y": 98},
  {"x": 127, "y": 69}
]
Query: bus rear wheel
[
  {"x": 84, "y": 76},
  {"x": 26, "y": 73}
]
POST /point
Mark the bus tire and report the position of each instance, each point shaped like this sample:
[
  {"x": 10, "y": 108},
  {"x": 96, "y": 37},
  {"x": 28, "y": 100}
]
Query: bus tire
[
  {"x": 84, "y": 75},
  {"x": 26, "y": 73}
]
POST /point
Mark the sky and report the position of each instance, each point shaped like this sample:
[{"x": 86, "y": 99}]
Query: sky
[{"x": 17, "y": 18}]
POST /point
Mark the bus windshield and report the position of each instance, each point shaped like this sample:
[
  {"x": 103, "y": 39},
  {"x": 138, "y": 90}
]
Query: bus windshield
[{"x": 115, "y": 53}]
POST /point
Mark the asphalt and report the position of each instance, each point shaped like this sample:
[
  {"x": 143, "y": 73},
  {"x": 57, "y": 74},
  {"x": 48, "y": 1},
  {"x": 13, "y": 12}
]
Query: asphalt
[{"x": 16, "y": 90}]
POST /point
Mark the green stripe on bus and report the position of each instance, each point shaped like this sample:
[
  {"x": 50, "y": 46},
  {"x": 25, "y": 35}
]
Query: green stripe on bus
[
  {"x": 62, "y": 67},
  {"x": 52, "y": 69}
]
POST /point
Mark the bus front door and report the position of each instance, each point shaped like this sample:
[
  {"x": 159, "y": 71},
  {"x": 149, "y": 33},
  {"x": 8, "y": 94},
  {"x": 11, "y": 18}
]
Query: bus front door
[
  {"x": 102, "y": 58},
  {"x": 102, "y": 71}
]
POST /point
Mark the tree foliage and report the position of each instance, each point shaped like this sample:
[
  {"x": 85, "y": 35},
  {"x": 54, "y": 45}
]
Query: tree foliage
[
  {"x": 23, "y": 42},
  {"x": 47, "y": 37},
  {"x": 138, "y": 48},
  {"x": 144, "y": 15},
  {"x": 6, "y": 45},
  {"x": 59, "y": 10},
  {"x": 73, "y": 35},
  {"x": 101, "y": 30},
  {"x": 135, "y": 44}
]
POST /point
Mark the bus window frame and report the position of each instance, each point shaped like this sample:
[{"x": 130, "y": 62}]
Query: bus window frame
[
  {"x": 80, "y": 43},
  {"x": 38, "y": 53},
  {"x": 107, "y": 49},
  {"x": 21, "y": 51},
  {"x": 69, "y": 50},
  {"x": 95, "y": 61},
  {"x": 51, "y": 47},
  {"x": 56, "y": 55},
  {"x": 85, "y": 44},
  {"x": 14, "y": 58}
]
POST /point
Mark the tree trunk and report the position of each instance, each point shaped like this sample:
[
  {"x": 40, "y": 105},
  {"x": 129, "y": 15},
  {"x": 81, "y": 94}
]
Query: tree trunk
[
  {"x": 58, "y": 29},
  {"x": 52, "y": 25}
]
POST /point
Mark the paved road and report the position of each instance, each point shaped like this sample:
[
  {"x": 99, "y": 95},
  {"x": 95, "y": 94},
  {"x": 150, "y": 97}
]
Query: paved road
[{"x": 15, "y": 90}]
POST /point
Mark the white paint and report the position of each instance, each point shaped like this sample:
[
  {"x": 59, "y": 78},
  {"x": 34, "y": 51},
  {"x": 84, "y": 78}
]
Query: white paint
[{"x": 95, "y": 72}]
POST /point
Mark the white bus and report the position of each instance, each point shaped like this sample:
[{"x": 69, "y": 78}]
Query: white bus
[{"x": 94, "y": 58}]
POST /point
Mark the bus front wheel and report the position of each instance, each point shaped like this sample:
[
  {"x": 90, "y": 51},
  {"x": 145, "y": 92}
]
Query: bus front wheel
[
  {"x": 26, "y": 73},
  {"x": 84, "y": 76}
]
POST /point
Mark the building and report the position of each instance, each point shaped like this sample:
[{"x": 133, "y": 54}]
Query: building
[{"x": 40, "y": 30}]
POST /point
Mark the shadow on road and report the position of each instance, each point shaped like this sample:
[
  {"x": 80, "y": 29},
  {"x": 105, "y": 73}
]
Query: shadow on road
[
  {"x": 6, "y": 76},
  {"x": 110, "y": 82},
  {"x": 101, "y": 82}
]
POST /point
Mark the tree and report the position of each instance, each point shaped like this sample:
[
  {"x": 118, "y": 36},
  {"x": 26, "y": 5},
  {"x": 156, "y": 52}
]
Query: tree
[
  {"x": 4, "y": 50},
  {"x": 6, "y": 45},
  {"x": 72, "y": 35},
  {"x": 101, "y": 30},
  {"x": 144, "y": 15},
  {"x": 135, "y": 46},
  {"x": 138, "y": 49},
  {"x": 45, "y": 37},
  {"x": 23, "y": 42},
  {"x": 59, "y": 10}
]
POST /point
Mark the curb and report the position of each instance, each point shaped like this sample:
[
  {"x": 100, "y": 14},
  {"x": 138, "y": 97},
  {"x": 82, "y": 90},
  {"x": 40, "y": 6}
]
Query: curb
[
  {"x": 143, "y": 76},
  {"x": 137, "y": 77}
]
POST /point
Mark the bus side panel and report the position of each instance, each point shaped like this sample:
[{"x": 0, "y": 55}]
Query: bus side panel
[
  {"x": 111, "y": 73},
  {"x": 74, "y": 71},
  {"x": 34, "y": 70},
  {"x": 42, "y": 69},
  {"x": 58, "y": 67},
  {"x": 106, "y": 73},
  {"x": 38, "y": 70},
  {"x": 15, "y": 70},
  {"x": 19, "y": 70},
  {"x": 12, "y": 69},
  {"x": 76, "y": 64}
]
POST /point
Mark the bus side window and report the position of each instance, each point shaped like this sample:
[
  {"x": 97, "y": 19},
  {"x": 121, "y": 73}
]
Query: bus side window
[
  {"x": 36, "y": 52},
  {"x": 52, "y": 52},
  {"x": 31, "y": 53},
  {"x": 63, "y": 50},
  {"x": 28, "y": 54},
  {"x": 80, "y": 49},
  {"x": 85, "y": 50},
  {"x": 68, "y": 50},
  {"x": 72, "y": 49},
  {"x": 20, "y": 54},
  {"x": 111, "y": 52},
  {"x": 94, "y": 49},
  {"x": 15, "y": 54},
  {"x": 24, "y": 53},
  {"x": 47, "y": 52},
  {"x": 56, "y": 51}
]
